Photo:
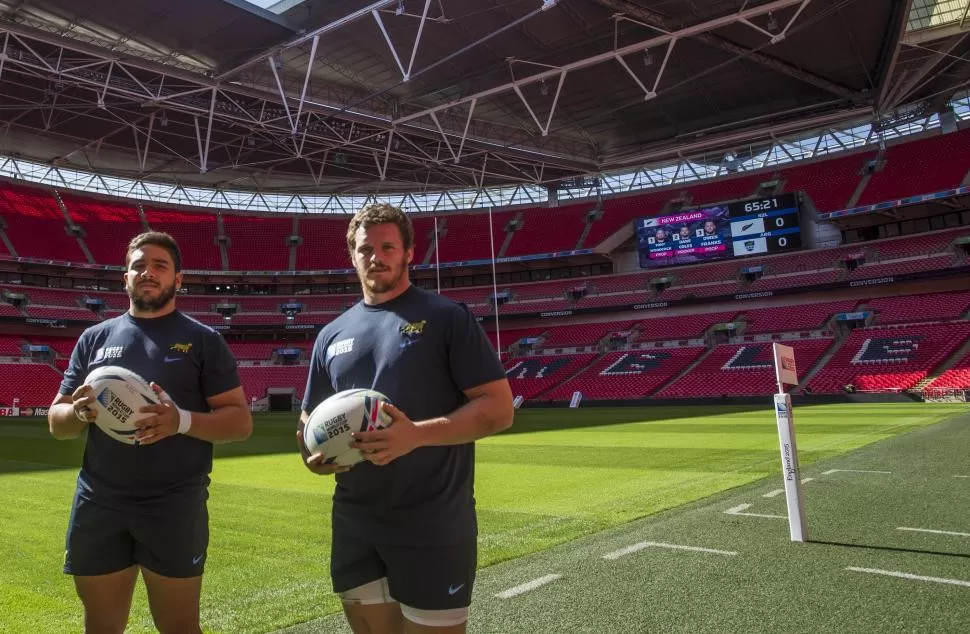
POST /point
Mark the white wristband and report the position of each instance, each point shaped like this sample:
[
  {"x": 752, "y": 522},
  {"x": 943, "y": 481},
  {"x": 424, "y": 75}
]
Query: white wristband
[{"x": 185, "y": 421}]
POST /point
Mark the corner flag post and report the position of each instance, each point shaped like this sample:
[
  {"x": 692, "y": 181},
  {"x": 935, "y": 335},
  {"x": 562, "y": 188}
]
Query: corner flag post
[{"x": 786, "y": 373}]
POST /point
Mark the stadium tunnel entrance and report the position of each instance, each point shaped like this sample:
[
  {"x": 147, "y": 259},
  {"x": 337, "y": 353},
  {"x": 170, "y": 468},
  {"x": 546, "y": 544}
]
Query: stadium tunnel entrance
[{"x": 281, "y": 399}]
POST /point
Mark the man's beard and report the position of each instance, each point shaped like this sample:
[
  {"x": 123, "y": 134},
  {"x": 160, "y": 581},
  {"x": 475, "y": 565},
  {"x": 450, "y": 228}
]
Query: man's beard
[
  {"x": 379, "y": 286},
  {"x": 165, "y": 295}
]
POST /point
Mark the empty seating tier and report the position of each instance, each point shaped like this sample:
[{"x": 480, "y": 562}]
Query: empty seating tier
[
  {"x": 108, "y": 226},
  {"x": 887, "y": 359},
  {"x": 195, "y": 233},
  {"x": 928, "y": 165},
  {"x": 36, "y": 225},
  {"x": 258, "y": 243},
  {"x": 530, "y": 376},
  {"x": 630, "y": 374},
  {"x": 789, "y": 318},
  {"x": 913, "y": 308},
  {"x": 35, "y": 384},
  {"x": 957, "y": 376},
  {"x": 741, "y": 370}
]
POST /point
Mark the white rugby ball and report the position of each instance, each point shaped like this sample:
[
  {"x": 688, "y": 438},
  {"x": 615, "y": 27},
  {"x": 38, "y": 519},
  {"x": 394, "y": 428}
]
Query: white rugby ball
[
  {"x": 118, "y": 395},
  {"x": 330, "y": 425}
]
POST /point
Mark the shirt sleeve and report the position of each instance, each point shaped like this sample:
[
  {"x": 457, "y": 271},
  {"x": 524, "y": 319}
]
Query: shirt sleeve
[
  {"x": 77, "y": 369},
  {"x": 471, "y": 357},
  {"x": 318, "y": 384},
  {"x": 219, "y": 372}
]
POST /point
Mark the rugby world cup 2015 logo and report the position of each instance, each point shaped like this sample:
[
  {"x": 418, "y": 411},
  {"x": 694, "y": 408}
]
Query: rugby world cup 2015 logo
[{"x": 117, "y": 409}]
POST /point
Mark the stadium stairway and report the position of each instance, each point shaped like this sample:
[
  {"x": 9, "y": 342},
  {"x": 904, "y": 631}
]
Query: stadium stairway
[
  {"x": 428, "y": 256},
  {"x": 73, "y": 229},
  {"x": 861, "y": 187},
  {"x": 586, "y": 229},
  {"x": 947, "y": 363},
  {"x": 8, "y": 246},
  {"x": 509, "y": 234},
  {"x": 541, "y": 395},
  {"x": 821, "y": 363},
  {"x": 683, "y": 373}
]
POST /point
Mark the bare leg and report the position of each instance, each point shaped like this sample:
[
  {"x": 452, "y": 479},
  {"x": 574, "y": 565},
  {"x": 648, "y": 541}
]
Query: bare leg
[
  {"x": 375, "y": 618},
  {"x": 107, "y": 600},
  {"x": 174, "y": 602}
]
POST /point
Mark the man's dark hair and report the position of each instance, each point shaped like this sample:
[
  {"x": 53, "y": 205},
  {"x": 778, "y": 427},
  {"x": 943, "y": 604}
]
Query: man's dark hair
[
  {"x": 379, "y": 214},
  {"x": 159, "y": 239}
]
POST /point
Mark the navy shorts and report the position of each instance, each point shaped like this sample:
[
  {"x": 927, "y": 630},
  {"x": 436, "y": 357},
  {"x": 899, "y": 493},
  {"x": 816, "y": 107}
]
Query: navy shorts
[
  {"x": 102, "y": 540},
  {"x": 426, "y": 578}
]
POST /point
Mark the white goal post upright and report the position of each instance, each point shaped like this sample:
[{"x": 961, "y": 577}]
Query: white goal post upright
[
  {"x": 785, "y": 373},
  {"x": 498, "y": 327}
]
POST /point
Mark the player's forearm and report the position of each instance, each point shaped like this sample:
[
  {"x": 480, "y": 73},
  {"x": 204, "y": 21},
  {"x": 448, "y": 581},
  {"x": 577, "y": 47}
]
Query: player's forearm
[
  {"x": 301, "y": 427},
  {"x": 224, "y": 424},
  {"x": 480, "y": 417},
  {"x": 63, "y": 423}
]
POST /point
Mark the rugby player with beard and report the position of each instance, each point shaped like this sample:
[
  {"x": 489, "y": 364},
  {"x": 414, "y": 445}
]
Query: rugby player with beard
[
  {"x": 142, "y": 507},
  {"x": 403, "y": 551}
]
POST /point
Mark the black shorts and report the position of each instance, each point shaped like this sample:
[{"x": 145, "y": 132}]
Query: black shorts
[
  {"x": 102, "y": 541},
  {"x": 426, "y": 578}
]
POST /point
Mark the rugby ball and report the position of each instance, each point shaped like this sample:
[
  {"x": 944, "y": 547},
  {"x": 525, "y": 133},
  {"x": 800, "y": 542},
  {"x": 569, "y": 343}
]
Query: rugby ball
[
  {"x": 330, "y": 425},
  {"x": 118, "y": 395}
]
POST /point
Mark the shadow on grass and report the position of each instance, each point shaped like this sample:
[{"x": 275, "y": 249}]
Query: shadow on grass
[{"x": 896, "y": 549}]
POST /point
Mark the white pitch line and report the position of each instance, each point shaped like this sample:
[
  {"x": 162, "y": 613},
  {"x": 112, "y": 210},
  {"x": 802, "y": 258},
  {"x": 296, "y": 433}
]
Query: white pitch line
[
  {"x": 738, "y": 510},
  {"x": 616, "y": 554},
  {"x": 906, "y": 575},
  {"x": 527, "y": 587},
  {"x": 831, "y": 471},
  {"x": 961, "y": 476},
  {"x": 932, "y": 530},
  {"x": 777, "y": 492}
]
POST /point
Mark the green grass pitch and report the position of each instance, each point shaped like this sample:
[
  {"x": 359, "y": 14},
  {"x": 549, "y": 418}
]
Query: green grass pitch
[{"x": 556, "y": 476}]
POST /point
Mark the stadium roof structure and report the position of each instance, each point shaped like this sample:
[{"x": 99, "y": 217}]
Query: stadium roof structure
[{"x": 342, "y": 96}]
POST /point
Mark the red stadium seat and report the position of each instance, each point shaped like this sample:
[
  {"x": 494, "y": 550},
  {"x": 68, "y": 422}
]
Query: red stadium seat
[
  {"x": 36, "y": 226},
  {"x": 258, "y": 243},
  {"x": 957, "y": 376},
  {"x": 195, "y": 233},
  {"x": 878, "y": 359},
  {"x": 257, "y": 380},
  {"x": 627, "y": 375},
  {"x": 928, "y": 165},
  {"x": 791, "y": 318},
  {"x": 741, "y": 370},
  {"x": 35, "y": 384},
  {"x": 548, "y": 230},
  {"x": 108, "y": 226},
  {"x": 531, "y": 376}
]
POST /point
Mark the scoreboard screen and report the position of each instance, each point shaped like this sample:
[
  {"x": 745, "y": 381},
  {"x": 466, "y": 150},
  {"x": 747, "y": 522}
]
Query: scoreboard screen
[{"x": 738, "y": 229}]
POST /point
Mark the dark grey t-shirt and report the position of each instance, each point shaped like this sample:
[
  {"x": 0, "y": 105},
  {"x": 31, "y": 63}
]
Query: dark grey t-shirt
[
  {"x": 191, "y": 362},
  {"x": 421, "y": 350}
]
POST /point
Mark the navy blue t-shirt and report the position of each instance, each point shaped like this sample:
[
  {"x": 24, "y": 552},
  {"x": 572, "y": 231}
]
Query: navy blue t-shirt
[
  {"x": 191, "y": 362},
  {"x": 421, "y": 350}
]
